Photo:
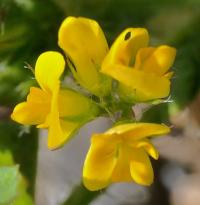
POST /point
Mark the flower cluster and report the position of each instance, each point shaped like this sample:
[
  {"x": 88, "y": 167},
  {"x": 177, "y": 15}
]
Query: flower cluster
[{"x": 110, "y": 82}]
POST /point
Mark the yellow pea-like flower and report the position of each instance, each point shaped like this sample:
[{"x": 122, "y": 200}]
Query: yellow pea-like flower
[
  {"x": 85, "y": 46},
  {"x": 121, "y": 155},
  {"x": 142, "y": 71},
  {"x": 62, "y": 111}
]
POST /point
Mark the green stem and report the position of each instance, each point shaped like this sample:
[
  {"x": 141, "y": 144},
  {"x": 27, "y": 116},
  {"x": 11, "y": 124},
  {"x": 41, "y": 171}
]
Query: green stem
[
  {"x": 104, "y": 105},
  {"x": 80, "y": 195}
]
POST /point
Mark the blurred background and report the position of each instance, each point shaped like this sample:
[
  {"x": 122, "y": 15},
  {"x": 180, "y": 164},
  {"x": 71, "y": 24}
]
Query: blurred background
[{"x": 29, "y": 173}]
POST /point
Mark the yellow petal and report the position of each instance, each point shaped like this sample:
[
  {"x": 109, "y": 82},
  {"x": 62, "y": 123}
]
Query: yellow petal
[
  {"x": 125, "y": 47},
  {"x": 99, "y": 163},
  {"x": 136, "y": 131},
  {"x": 85, "y": 45},
  {"x": 121, "y": 173},
  {"x": 37, "y": 95},
  {"x": 35, "y": 110},
  {"x": 141, "y": 83},
  {"x": 69, "y": 111},
  {"x": 46, "y": 123},
  {"x": 155, "y": 60},
  {"x": 143, "y": 55},
  {"x": 59, "y": 130},
  {"x": 141, "y": 168},
  {"x": 48, "y": 69},
  {"x": 146, "y": 130},
  {"x": 75, "y": 106},
  {"x": 148, "y": 147}
]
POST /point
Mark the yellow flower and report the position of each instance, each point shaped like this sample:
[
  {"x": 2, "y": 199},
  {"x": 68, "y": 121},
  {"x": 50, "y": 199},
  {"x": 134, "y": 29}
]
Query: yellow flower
[
  {"x": 142, "y": 71},
  {"x": 85, "y": 46},
  {"x": 121, "y": 155},
  {"x": 61, "y": 111}
]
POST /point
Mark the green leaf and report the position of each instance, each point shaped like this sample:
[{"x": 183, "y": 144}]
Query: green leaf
[{"x": 9, "y": 181}]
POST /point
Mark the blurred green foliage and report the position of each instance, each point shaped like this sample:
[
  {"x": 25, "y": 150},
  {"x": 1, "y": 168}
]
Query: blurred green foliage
[
  {"x": 9, "y": 180},
  {"x": 22, "y": 146},
  {"x": 29, "y": 27},
  {"x": 13, "y": 186}
]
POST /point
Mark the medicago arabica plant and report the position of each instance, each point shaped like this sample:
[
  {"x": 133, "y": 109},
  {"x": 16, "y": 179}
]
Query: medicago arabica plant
[{"x": 109, "y": 82}]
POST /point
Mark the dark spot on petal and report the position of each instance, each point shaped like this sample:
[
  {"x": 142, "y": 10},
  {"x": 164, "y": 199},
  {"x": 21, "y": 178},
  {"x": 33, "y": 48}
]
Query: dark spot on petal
[
  {"x": 127, "y": 36},
  {"x": 92, "y": 60}
]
